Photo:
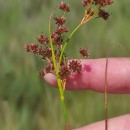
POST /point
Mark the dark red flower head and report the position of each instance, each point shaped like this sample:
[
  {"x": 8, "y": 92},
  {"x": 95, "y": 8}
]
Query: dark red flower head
[
  {"x": 84, "y": 53},
  {"x": 61, "y": 29},
  {"x": 75, "y": 66},
  {"x": 103, "y": 14},
  {"x": 103, "y": 3},
  {"x": 64, "y": 72},
  {"x": 57, "y": 39},
  {"x": 60, "y": 20},
  {"x": 86, "y": 2},
  {"x": 31, "y": 48},
  {"x": 109, "y": 2},
  {"x": 40, "y": 51},
  {"x": 48, "y": 53},
  {"x": 42, "y": 39},
  {"x": 63, "y": 6}
]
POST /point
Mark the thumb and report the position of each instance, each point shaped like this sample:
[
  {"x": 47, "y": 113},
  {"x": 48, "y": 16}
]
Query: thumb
[{"x": 117, "y": 123}]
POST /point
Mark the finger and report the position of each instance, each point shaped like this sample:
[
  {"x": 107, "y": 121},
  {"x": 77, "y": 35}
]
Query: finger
[
  {"x": 93, "y": 76},
  {"x": 117, "y": 123}
]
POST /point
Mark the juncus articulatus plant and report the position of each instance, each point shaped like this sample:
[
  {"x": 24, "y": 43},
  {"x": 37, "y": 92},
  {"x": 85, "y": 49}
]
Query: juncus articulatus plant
[{"x": 52, "y": 48}]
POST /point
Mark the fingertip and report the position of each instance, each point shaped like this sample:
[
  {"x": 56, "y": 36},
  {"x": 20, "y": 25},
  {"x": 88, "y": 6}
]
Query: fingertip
[{"x": 50, "y": 79}]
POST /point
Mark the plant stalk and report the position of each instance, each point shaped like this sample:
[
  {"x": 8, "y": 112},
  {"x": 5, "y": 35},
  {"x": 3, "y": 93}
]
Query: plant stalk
[
  {"x": 106, "y": 96},
  {"x": 67, "y": 124},
  {"x": 66, "y": 42},
  {"x": 60, "y": 87}
]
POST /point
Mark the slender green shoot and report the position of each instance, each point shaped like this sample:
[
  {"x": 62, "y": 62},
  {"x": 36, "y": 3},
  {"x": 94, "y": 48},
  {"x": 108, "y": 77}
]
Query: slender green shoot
[{"x": 58, "y": 79}]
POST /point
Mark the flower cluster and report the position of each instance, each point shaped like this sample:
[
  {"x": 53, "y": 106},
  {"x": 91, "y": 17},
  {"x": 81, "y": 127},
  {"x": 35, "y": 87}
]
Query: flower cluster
[
  {"x": 56, "y": 36},
  {"x": 63, "y": 6},
  {"x": 73, "y": 67},
  {"x": 92, "y": 12},
  {"x": 100, "y": 3},
  {"x": 84, "y": 52},
  {"x": 43, "y": 48},
  {"x": 58, "y": 40}
]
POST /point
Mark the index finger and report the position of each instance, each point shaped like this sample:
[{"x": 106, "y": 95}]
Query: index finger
[{"x": 93, "y": 76}]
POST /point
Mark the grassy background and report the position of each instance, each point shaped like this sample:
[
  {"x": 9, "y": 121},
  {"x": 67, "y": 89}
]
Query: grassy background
[{"x": 26, "y": 102}]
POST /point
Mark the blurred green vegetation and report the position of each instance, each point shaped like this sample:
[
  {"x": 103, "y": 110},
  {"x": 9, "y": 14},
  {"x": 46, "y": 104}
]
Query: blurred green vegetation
[{"x": 26, "y": 101}]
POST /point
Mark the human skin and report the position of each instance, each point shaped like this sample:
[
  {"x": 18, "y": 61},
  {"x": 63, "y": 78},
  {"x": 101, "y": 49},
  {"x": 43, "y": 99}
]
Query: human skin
[{"x": 93, "y": 78}]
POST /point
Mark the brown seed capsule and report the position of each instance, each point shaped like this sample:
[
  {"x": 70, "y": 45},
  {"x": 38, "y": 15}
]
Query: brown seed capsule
[
  {"x": 63, "y": 6},
  {"x": 60, "y": 20},
  {"x": 61, "y": 29},
  {"x": 31, "y": 48},
  {"x": 105, "y": 15},
  {"x": 86, "y": 2},
  {"x": 75, "y": 66},
  {"x": 84, "y": 53},
  {"x": 64, "y": 72},
  {"x": 42, "y": 39}
]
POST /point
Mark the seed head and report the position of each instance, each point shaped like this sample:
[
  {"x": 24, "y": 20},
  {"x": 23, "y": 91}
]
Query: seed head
[
  {"x": 84, "y": 53},
  {"x": 64, "y": 72},
  {"x": 48, "y": 53},
  {"x": 75, "y": 66},
  {"x": 40, "y": 51},
  {"x": 42, "y": 39},
  {"x": 105, "y": 15},
  {"x": 63, "y": 6},
  {"x": 60, "y": 20},
  {"x": 61, "y": 29},
  {"x": 57, "y": 39},
  {"x": 102, "y": 3},
  {"x": 31, "y": 48},
  {"x": 90, "y": 12},
  {"x": 86, "y": 2},
  {"x": 49, "y": 68}
]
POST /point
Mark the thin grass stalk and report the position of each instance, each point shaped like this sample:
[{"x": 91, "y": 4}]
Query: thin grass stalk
[
  {"x": 106, "y": 95},
  {"x": 60, "y": 87},
  {"x": 66, "y": 42}
]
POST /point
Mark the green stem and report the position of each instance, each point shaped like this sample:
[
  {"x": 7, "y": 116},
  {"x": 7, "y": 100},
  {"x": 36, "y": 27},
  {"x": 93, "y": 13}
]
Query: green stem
[
  {"x": 67, "y": 125},
  {"x": 52, "y": 48},
  {"x": 61, "y": 91},
  {"x": 66, "y": 42}
]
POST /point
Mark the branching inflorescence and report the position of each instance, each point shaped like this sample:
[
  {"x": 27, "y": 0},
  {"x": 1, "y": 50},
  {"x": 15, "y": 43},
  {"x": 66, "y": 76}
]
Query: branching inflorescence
[{"x": 52, "y": 49}]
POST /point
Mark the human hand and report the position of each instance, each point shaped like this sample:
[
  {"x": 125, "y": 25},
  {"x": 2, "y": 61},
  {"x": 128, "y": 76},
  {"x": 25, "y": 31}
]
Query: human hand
[{"x": 93, "y": 77}]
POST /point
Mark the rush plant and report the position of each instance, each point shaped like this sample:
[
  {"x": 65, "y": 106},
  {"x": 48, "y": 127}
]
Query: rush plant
[{"x": 52, "y": 49}]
